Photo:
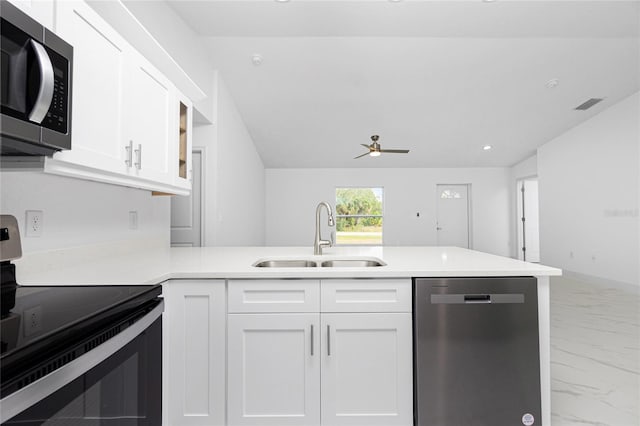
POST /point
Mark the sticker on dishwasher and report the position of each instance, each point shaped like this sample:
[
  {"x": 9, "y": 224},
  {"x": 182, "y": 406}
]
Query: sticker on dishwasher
[{"x": 527, "y": 419}]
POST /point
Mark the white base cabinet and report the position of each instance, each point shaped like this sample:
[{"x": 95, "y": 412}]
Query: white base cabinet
[
  {"x": 194, "y": 330},
  {"x": 366, "y": 369},
  {"x": 293, "y": 363},
  {"x": 274, "y": 369}
]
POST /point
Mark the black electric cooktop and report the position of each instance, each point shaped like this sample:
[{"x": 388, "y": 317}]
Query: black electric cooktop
[{"x": 47, "y": 318}]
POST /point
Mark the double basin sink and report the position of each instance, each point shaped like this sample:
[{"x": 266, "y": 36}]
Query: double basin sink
[{"x": 346, "y": 262}]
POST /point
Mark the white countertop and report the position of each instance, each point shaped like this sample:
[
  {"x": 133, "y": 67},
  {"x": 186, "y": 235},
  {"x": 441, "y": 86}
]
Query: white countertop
[{"x": 157, "y": 265}]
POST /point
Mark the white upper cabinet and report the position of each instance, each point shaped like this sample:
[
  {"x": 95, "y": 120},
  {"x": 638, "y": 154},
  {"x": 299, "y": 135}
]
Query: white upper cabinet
[
  {"x": 126, "y": 115},
  {"x": 149, "y": 120},
  {"x": 99, "y": 69}
]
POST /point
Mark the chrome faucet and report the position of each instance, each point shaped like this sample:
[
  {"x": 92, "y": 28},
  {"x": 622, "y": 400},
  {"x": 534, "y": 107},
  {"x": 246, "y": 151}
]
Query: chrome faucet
[{"x": 319, "y": 242}]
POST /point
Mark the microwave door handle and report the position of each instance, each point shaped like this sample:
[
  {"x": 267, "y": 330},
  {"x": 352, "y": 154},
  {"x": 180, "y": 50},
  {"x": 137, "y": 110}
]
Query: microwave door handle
[{"x": 45, "y": 92}]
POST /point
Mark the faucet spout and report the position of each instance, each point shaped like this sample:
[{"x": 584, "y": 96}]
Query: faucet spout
[{"x": 318, "y": 241}]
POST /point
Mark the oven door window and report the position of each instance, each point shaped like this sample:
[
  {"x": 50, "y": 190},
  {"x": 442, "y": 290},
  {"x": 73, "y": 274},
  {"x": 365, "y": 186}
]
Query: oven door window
[{"x": 123, "y": 390}]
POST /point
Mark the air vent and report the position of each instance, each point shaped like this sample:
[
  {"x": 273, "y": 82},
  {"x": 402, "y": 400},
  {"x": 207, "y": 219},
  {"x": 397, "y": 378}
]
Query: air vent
[{"x": 588, "y": 104}]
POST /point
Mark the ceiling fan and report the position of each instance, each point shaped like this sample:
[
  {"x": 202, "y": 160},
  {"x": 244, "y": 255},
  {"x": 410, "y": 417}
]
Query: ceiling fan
[{"x": 374, "y": 149}]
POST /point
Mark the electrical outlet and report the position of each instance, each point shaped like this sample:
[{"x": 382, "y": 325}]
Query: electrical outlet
[
  {"x": 34, "y": 223},
  {"x": 133, "y": 219},
  {"x": 32, "y": 320}
]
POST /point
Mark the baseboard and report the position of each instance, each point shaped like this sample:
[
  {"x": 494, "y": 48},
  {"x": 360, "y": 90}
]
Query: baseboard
[{"x": 598, "y": 281}]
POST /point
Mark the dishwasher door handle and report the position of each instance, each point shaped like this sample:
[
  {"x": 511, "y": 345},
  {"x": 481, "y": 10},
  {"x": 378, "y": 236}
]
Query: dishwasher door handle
[{"x": 476, "y": 299}]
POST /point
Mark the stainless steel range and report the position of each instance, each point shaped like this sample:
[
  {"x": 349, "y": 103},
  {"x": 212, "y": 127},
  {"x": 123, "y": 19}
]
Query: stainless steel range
[{"x": 81, "y": 355}]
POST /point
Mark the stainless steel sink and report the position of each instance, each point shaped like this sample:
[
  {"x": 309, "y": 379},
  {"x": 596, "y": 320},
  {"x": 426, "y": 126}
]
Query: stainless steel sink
[
  {"x": 286, "y": 263},
  {"x": 352, "y": 263},
  {"x": 345, "y": 262}
]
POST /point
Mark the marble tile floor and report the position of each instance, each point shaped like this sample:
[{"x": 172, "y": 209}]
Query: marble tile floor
[{"x": 595, "y": 353}]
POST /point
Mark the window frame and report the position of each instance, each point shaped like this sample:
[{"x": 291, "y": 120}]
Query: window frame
[{"x": 337, "y": 216}]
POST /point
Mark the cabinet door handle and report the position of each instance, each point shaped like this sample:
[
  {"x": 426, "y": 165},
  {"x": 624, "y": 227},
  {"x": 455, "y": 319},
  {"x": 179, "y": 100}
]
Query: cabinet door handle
[
  {"x": 129, "y": 150},
  {"x": 311, "y": 339},
  {"x": 138, "y": 162},
  {"x": 328, "y": 340}
]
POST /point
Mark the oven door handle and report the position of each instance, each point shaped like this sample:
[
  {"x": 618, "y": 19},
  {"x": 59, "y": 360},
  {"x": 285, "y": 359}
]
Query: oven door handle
[
  {"x": 45, "y": 91},
  {"x": 19, "y": 401}
]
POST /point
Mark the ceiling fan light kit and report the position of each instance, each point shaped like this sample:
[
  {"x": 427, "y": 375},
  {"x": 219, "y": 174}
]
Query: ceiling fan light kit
[{"x": 375, "y": 150}]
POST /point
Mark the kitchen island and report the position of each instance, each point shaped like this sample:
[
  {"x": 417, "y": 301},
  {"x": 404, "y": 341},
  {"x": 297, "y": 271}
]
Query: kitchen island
[{"x": 209, "y": 383}]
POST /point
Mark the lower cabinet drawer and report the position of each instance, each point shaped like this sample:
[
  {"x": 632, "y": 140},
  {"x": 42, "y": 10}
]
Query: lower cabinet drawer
[
  {"x": 366, "y": 295},
  {"x": 258, "y": 296}
]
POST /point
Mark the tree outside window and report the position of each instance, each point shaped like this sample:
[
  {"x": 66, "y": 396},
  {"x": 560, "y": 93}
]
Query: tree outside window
[{"x": 359, "y": 216}]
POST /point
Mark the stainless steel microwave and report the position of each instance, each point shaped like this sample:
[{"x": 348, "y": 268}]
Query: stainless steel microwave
[{"x": 36, "y": 87}]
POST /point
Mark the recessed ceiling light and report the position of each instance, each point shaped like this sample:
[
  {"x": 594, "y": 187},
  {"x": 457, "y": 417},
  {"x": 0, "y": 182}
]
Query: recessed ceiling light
[
  {"x": 282, "y": 1},
  {"x": 256, "y": 59},
  {"x": 487, "y": 147},
  {"x": 488, "y": 1},
  {"x": 552, "y": 83},
  {"x": 395, "y": 1}
]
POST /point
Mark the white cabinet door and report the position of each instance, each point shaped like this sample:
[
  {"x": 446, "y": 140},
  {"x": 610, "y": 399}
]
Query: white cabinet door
[
  {"x": 273, "y": 369},
  {"x": 366, "y": 369},
  {"x": 98, "y": 88},
  {"x": 149, "y": 110},
  {"x": 194, "y": 353}
]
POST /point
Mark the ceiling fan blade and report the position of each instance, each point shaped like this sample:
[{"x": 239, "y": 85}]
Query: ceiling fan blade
[
  {"x": 395, "y": 151},
  {"x": 366, "y": 153},
  {"x": 365, "y": 145}
]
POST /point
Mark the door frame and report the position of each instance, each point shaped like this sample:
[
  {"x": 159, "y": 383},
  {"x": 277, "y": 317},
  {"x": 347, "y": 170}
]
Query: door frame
[
  {"x": 203, "y": 173},
  {"x": 202, "y": 152},
  {"x": 521, "y": 238},
  {"x": 469, "y": 211}
]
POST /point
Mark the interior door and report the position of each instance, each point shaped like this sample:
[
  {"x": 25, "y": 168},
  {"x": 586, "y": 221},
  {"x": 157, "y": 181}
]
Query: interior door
[
  {"x": 452, "y": 224},
  {"x": 186, "y": 212}
]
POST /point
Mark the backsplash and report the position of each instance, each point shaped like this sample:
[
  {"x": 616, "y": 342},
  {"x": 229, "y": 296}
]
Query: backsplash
[{"x": 80, "y": 213}]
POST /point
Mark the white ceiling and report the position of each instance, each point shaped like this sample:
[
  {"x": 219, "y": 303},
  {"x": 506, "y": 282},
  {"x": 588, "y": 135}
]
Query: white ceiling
[{"x": 441, "y": 78}]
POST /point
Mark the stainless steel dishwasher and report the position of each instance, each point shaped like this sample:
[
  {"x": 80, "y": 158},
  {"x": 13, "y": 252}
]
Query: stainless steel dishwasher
[{"x": 476, "y": 351}]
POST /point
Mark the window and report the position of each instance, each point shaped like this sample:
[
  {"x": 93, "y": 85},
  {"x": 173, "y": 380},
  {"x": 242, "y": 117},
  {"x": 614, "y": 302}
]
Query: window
[
  {"x": 359, "y": 216},
  {"x": 450, "y": 193}
]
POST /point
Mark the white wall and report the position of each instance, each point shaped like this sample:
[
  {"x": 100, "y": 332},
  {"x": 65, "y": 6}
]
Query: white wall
[
  {"x": 234, "y": 186},
  {"x": 293, "y": 194},
  {"x": 526, "y": 168},
  {"x": 79, "y": 212},
  {"x": 589, "y": 195}
]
